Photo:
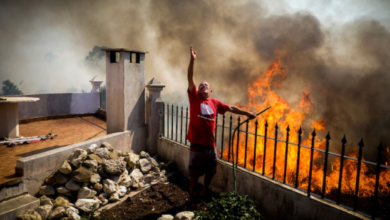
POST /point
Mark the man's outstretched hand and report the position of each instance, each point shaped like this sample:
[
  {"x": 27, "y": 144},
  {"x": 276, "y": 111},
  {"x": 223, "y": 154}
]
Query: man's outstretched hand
[
  {"x": 193, "y": 54},
  {"x": 251, "y": 115}
]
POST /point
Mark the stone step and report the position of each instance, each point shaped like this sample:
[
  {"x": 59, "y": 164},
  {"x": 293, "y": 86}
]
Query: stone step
[
  {"x": 10, "y": 209},
  {"x": 12, "y": 189}
]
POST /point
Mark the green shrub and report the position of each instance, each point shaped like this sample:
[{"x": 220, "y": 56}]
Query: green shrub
[{"x": 230, "y": 206}]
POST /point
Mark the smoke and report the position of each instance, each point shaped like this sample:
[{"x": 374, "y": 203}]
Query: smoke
[{"x": 343, "y": 64}]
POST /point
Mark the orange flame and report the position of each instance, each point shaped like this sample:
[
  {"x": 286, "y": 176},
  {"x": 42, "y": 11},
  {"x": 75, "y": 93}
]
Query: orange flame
[{"x": 261, "y": 95}]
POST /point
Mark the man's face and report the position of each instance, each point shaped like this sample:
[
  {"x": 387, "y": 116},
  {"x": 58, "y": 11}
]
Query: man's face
[{"x": 204, "y": 89}]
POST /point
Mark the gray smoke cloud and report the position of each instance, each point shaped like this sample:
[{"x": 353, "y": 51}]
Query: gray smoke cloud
[{"x": 345, "y": 66}]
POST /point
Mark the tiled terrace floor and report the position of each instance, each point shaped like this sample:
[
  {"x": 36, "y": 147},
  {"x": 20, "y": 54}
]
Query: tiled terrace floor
[{"x": 69, "y": 131}]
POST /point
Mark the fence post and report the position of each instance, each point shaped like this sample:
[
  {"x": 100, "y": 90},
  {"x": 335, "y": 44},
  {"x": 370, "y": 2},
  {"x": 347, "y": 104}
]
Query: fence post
[
  {"x": 298, "y": 156},
  {"x": 246, "y": 142},
  {"x": 265, "y": 144},
  {"x": 344, "y": 141},
  {"x": 254, "y": 154},
  {"x": 230, "y": 137},
  {"x": 311, "y": 161},
  {"x": 325, "y": 166},
  {"x": 185, "y": 142},
  {"x": 275, "y": 148},
  {"x": 223, "y": 135},
  {"x": 378, "y": 171},
  {"x": 286, "y": 154},
  {"x": 154, "y": 116},
  {"x": 361, "y": 145}
]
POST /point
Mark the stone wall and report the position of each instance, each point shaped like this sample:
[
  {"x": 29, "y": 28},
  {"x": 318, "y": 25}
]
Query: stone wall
[{"x": 275, "y": 199}]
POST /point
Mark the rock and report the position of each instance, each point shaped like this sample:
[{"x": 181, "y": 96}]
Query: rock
[
  {"x": 136, "y": 178},
  {"x": 57, "y": 213},
  {"x": 107, "y": 145},
  {"x": 113, "y": 155},
  {"x": 132, "y": 161},
  {"x": 148, "y": 178},
  {"x": 125, "y": 180},
  {"x": 93, "y": 164},
  {"x": 170, "y": 166},
  {"x": 60, "y": 201},
  {"x": 98, "y": 187},
  {"x": 143, "y": 154},
  {"x": 65, "y": 168},
  {"x": 114, "y": 197},
  {"x": 186, "y": 215},
  {"x": 153, "y": 162},
  {"x": 92, "y": 148},
  {"x": 95, "y": 178},
  {"x": 166, "y": 217},
  {"x": 114, "y": 166},
  {"x": 109, "y": 186},
  {"x": 74, "y": 216},
  {"x": 103, "y": 153},
  {"x": 104, "y": 195},
  {"x": 85, "y": 184},
  {"x": 29, "y": 216},
  {"x": 44, "y": 211},
  {"x": 95, "y": 157},
  {"x": 78, "y": 156},
  {"x": 145, "y": 165},
  {"x": 61, "y": 178},
  {"x": 51, "y": 180},
  {"x": 82, "y": 175},
  {"x": 45, "y": 201},
  {"x": 122, "y": 191},
  {"x": 102, "y": 173},
  {"x": 62, "y": 190},
  {"x": 115, "y": 178},
  {"x": 86, "y": 204},
  {"x": 70, "y": 210},
  {"x": 86, "y": 193},
  {"x": 72, "y": 185},
  {"x": 156, "y": 170},
  {"x": 47, "y": 190},
  {"x": 160, "y": 164},
  {"x": 77, "y": 162}
]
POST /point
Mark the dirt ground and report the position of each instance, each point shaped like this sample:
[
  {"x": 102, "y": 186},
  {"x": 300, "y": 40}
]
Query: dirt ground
[{"x": 163, "y": 198}]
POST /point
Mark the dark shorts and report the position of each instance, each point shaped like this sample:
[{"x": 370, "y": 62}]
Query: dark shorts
[{"x": 203, "y": 160}]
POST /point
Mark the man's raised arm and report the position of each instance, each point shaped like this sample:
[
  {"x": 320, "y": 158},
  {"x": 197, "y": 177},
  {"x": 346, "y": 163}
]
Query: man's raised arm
[{"x": 190, "y": 75}]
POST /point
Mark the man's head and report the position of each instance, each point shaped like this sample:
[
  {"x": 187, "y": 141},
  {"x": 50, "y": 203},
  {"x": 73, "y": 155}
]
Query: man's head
[{"x": 205, "y": 90}]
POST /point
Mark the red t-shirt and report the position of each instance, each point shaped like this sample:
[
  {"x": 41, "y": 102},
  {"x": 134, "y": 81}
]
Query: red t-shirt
[{"x": 202, "y": 118}]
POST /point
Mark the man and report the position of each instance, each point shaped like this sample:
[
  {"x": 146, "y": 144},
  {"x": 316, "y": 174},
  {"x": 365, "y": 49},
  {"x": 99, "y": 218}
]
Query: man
[{"x": 203, "y": 110}]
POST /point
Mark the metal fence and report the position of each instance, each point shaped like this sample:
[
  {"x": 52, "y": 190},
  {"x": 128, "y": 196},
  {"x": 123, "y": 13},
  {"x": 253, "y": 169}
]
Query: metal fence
[
  {"x": 103, "y": 98},
  {"x": 176, "y": 121}
]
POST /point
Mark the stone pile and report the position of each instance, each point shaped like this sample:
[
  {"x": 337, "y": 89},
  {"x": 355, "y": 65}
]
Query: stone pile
[
  {"x": 186, "y": 215},
  {"x": 92, "y": 178}
]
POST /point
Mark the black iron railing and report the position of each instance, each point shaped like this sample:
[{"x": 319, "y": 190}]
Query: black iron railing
[
  {"x": 175, "y": 129},
  {"x": 103, "y": 98}
]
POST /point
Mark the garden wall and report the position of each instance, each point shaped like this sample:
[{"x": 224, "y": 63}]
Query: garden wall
[
  {"x": 275, "y": 200},
  {"x": 59, "y": 104},
  {"x": 37, "y": 167}
]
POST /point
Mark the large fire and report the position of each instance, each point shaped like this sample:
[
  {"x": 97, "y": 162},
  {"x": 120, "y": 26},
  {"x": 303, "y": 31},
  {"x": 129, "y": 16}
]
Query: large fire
[{"x": 261, "y": 95}]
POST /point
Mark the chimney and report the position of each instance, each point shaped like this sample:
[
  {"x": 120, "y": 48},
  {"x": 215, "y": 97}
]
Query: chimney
[
  {"x": 95, "y": 84},
  {"x": 125, "y": 84}
]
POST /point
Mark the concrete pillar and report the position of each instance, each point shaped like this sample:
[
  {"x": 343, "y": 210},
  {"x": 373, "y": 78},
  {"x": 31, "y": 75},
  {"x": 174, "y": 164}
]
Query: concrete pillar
[
  {"x": 154, "y": 108},
  {"x": 125, "y": 82},
  {"x": 95, "y": 85},
  {"x": 9, "y": 118}
]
